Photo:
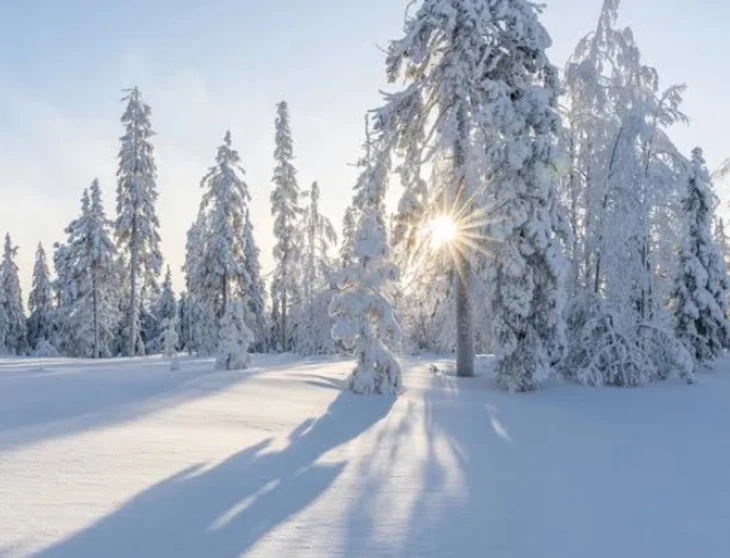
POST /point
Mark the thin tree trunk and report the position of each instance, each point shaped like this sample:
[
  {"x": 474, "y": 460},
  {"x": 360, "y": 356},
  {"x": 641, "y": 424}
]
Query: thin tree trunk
[
  {"x": 96, "y": 314},
  {"x": 133, "y": 285},
  {"x": 190, "y": 324},
  {"x": 225, "y": 295},
  {"x": 284, "y": 288},
  {"x": 604, "y": 205},
  {"x": 311, "y": 275},
  {"x": 574, "y": 219}
]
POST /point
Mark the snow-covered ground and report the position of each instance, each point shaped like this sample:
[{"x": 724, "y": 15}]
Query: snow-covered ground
[{"x": 127, "y": 459}]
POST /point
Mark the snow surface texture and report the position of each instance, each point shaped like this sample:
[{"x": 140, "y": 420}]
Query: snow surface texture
[{"x": 127, "y": 459}]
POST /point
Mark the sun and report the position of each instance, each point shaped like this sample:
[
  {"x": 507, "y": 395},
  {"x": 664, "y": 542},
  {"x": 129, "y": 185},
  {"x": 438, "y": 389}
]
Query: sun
[{"x": 444, "y": 230}]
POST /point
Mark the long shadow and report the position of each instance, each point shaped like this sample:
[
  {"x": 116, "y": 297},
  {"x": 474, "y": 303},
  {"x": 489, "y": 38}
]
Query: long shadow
[
  {"x": 459, "y": 524},
  {"x": 223, "y": 511},
  {"x": 55, "y": 400},
  {"x": 457, "y": 470},
  {"x": 561, "y": 472}
]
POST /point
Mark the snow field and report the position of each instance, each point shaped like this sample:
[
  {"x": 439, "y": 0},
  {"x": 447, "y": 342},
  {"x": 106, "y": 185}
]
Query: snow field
[{"x": 125, "y": 458}]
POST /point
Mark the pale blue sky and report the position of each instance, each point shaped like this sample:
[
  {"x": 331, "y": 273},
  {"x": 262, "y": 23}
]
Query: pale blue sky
[{"x": 207, "y": 66}]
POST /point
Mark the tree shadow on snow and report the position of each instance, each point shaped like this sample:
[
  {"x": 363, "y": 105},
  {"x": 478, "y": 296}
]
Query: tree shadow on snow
[
  {"x": 56, "y": 400},
  {"x": 463, "y": 503},
  {"x": 455, "y": 452},
  {"x": 223, "y": 510}
]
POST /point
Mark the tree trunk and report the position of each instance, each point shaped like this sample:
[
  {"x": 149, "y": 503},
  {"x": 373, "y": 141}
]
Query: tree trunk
[
  {"x": 96, "y": 313},
  {"x": 462, "y": 265},
  {"x": 225, "y": 295},
  {"x": 604, "y": 206},
  {"x": 190, "y": 324},
  {"x": 574, "y": 219},
  {"x": 284, "y": 288},
  {"x": 134, "y": 256},
  {"x": 464, "y": 328}
]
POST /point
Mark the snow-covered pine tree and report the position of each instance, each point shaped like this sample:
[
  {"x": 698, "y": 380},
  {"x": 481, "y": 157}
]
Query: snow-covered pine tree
[
  {"x": 317, "y": 238},
  {"x": 722, "y": 240},
  {"x": 275, "y": 322},
  {"x": 16, "y": 338},
  {"x": 481, "y": 96},
  {"x": 41, "y": 306},
  {"x": 124, "y": 331},
  {"x": 194, "y": 341},
  {"x": 530, "y": 267},
  {"x": 185, "y": 321},
  {"x": 149, "y": 324},
  {"x": 362, "y": 312},
  {"x": 64, "y": 288},
  {"x": 100, "y": 264},
  {"x": 699, "y": 300},
  {"x": 286, "y": 211},
  {"x": 349, "y": 222},
  {"x": 169, "y": 340},
  {"x": 222, "y": 269},
  {"x": 165, "y": 312},
  {"x": 235, "y": 338},
  {"x": 723, "y": 244},
  {"x": 222, "y": 272},
  {"x": 255, "y": 295},
  {"x": 86, "y": 267},
  {"x": 137, "y": 224},
  {"x": 3, "y": 323}
]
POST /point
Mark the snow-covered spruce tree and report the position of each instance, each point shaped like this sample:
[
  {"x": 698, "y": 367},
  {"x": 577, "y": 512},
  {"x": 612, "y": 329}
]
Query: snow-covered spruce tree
[
  {"x": 64, "y": 288},
  {"x": 169, "y": 340},
  {"x": 286, "y": 211},
  {"x": 222, "y": 270},
  {"x": 235, "y": 338},
  {"x": 137, "y": 224},
  {"x": 41, "y": 306},
  {"x": 363, "y": 314},
  {"x": 349, "y": 222},
  {"x": 90, "y": 306},
  {"x": 164, "y": 311},
  {"x": 196, "y": 340},
  {"x": 16, "y": 339},
  {"x": 255, "y": 294},
  {"x": 481, "y": 94},
  {"x": 100, "y": 260},
  {"x": 275, "y": 322},
  {"x": 185, "y": 320},
  {"x": 699, "y": 301},
  {"x": 530, "y": 267},
  {"x": 149, "y": 324},
  {"x": 317, "y": 237},
  {"x": 3, "y": 324},
  {"x": 723, "y": 242}
]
